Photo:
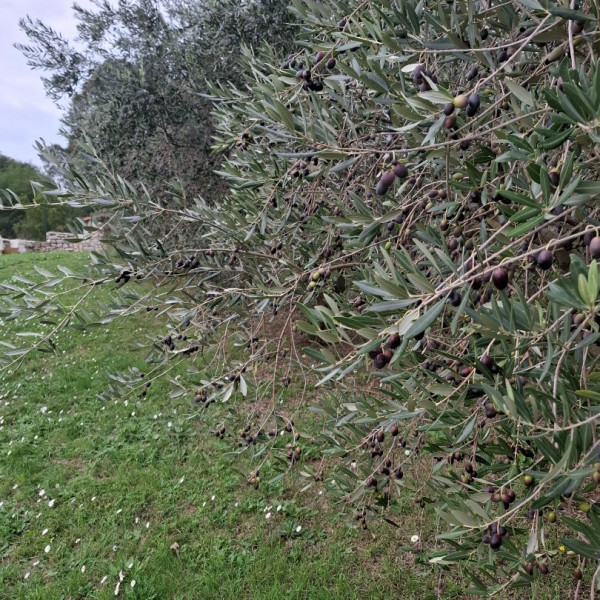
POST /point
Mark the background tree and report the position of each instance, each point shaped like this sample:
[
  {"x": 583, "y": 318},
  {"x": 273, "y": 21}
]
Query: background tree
[
  {"x": 17, "y": 177},
  {"x": 36, "y": 217},
  {"x": 38, "y": 220},
  {"x": 136, "y": 80},
  {"x": 415, "y": 189}
]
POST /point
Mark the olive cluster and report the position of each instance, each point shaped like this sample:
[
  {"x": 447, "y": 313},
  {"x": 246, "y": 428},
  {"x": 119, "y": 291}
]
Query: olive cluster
[{"x": 494, "y": 536}]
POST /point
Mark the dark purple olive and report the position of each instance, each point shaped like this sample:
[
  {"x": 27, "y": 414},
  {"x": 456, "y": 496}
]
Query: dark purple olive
[
  {"x": 385, "y": 182},
  {"x": 315, "y": 85},
  {"x": 380, "y": 361},
  {"x": 544, "y": 259},
  {"x": 474, "y": 101},
  {"x": 500, "y": 278},
  {"x": 394, "y": 341},
  {"x": 400, "y": 170},
  {"x": 554, "y": 177},
  {"x": 487, "y": 361},
  {"x": 375, "y": 352},
  {"x": 450, "y": 122},
  {"x": 448, "y": 108},
  {"x": 472, "y": 73},
  {"x": 454, "y": 298}
]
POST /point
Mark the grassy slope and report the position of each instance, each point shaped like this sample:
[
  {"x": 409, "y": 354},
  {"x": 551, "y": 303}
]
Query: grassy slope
[{"x": 130, "y": 479}]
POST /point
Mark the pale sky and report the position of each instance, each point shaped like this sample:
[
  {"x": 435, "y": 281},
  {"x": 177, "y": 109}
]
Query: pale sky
[{"x": 25, "y": 113}]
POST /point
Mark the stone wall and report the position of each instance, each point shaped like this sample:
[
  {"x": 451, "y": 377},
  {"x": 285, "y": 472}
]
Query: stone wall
[{"x": 56, "y": 241}]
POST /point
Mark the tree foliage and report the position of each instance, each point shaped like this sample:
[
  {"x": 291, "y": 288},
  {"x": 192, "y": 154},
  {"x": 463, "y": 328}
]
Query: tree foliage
[
  {"x": 136, "y": 78},
  {"x": 17, "y": 177},
  {"x": 415, "y": 189},
  {"x": 30, "y": 216}
]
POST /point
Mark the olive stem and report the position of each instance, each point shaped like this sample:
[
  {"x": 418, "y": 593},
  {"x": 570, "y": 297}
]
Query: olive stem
[
  {"x": 570, "y": 32},
  {"x": 593, "y": 586}
]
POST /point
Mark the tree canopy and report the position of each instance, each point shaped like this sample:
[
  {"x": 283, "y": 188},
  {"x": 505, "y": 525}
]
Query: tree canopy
[
  {"x": 19, "y": 184},
  {"x": 17, "y": 177},
  {"x": 136, "y": 76}
]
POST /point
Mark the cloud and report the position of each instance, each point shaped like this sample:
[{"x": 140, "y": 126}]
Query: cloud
[{"x": 25, "y": 113}]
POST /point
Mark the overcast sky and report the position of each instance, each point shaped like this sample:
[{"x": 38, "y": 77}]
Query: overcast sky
[{"x": 25, "y": 113}]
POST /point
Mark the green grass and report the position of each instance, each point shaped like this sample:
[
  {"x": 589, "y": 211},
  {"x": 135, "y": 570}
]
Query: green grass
[
  {"x": 136, "y": 487},
  {"x": 129, "y": 479}
]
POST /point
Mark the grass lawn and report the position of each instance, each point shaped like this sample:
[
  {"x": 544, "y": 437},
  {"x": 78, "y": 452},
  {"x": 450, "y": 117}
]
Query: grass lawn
[{"x": 133, "y": 498}]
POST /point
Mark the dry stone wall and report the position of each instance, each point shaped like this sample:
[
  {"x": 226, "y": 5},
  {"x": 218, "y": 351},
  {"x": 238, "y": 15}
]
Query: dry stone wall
[{"x": 56, "y": 241}]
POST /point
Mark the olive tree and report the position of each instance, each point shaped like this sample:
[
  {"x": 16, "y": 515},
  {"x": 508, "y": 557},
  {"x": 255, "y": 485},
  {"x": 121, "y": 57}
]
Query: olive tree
[
  {"x": 412, "y": 226},
  {"x": 134, "y": 80}
]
